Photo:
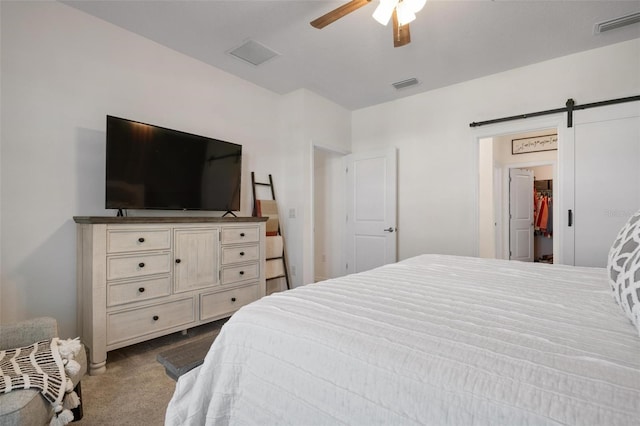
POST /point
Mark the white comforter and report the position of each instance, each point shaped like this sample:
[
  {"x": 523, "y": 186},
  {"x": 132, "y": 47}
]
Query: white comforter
[{"x": 437, "y": 340}]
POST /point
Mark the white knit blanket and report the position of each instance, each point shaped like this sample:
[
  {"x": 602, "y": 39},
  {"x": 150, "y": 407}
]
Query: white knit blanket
[{"x": 41, "y": 366}]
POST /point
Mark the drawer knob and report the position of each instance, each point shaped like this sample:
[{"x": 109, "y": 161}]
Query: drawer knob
[
  {"x": 156, "y": 318},
  {"x": 141, "y": 264},
  {"x": 178, "y": 260},
  {"x": 233, "y": 299},
  {"x": 141, "y": 240},
  {"x": 241, "y": 253},
  {"x": 242, "y": 234},
  {"x": 241, "y": 272},
  {"x": 141, "y": 289}
]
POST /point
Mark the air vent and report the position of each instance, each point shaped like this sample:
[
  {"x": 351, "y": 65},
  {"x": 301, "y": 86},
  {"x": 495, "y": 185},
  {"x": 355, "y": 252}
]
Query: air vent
[
  {"x": 253, "y": 53},
  {"x": 612, "y": 24},
  {"x": 405, "y": 83}
]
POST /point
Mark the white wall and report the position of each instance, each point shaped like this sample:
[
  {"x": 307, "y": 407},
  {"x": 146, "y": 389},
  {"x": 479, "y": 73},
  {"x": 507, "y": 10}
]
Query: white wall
[
  {"x": 486, "y": 212},
  {"x": 502, "y": 149},
  {"x": 307, "y": 120},
  {"x": 62, "y": 72},
  {"x": 322, "y": 212},
  {"x": 438, "y": 156},
  {"x": 543, "y": 173},
  {"x": 1, "y": 303}
]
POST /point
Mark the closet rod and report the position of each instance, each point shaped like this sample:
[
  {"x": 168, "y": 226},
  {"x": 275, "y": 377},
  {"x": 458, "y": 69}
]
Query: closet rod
[{"x": 570, "y": 106}]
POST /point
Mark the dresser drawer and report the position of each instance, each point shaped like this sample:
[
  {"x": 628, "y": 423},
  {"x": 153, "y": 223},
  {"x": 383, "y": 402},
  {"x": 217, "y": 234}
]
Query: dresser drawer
[
  {"x": 121, "y": 241},
  {"x": 136, "y": 291},
  {"x": 130, "y": 324},
  {"x": 219, "y": 304},
  {"x": 234, "y": 274},
  {"x": 138, "y": 265},
  {"x": 246, "y": 234},
  {"x": 238, "y": 254}
]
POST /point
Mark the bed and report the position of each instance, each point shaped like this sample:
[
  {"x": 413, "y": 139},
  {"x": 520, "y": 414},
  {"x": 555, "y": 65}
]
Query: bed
[{"x": 434, "y": 339}]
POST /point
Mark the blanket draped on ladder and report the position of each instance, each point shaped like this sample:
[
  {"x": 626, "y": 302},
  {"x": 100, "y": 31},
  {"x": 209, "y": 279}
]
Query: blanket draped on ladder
[{"x": 44, "y": 366}]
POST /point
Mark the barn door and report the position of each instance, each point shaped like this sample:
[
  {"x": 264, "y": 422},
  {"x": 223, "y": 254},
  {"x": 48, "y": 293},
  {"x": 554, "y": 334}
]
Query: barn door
[{"x": 606, "y": 190}]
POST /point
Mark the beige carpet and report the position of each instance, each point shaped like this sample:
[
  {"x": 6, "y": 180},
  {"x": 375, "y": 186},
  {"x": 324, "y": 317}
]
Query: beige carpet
[{"x": 135, "y": 389}]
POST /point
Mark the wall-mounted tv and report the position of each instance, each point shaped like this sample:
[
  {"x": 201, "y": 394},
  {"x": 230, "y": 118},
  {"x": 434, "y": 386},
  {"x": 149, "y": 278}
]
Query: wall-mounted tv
[{"x": 151, "y": 167}]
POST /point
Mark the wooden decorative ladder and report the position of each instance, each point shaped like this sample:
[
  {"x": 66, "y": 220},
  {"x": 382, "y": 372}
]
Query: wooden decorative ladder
[{"x": 276, "y": 251}]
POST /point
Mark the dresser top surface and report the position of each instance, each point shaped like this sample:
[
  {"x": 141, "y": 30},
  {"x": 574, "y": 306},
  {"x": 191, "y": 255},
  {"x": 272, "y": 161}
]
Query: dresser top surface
[{"x": 163, "y": 219}]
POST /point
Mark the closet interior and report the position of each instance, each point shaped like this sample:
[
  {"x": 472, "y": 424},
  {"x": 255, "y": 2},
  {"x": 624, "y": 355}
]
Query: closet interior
[{"x": 543, "y": 216}]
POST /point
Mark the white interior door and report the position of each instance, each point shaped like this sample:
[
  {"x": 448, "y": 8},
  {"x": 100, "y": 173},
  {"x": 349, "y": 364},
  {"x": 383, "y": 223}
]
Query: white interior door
[
  {"x": 521, "y": 215},
  {"x": 607, "y": 178},
  {"x": 371, "y": 236}
]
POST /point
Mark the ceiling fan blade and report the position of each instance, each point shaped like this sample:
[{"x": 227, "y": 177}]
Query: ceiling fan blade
[
  {"x": 338, "y": 13},
  {"x": 401, "y": 33}
]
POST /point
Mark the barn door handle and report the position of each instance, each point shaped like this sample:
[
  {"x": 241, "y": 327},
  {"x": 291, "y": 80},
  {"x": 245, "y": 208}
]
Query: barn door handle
[{"x": 570, "y": 218}]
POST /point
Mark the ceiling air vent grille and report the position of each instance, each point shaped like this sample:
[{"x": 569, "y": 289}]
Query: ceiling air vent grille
[
  {"x": 405, "y": 83},
  {"x": 253, "y": 52},
  {"x": 612, "y": 24}
]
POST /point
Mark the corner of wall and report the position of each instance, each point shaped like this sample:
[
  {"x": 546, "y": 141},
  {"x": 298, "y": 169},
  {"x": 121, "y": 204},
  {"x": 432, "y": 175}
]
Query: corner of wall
[
  {"x": 306, "y": 118},
  {"x": 1, "y": 63}
]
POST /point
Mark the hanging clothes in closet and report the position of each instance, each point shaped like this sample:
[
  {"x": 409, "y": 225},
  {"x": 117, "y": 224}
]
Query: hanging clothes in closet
[{"x": 543, "y": 221}]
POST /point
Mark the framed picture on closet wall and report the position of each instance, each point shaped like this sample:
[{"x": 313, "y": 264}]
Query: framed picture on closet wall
[{"x": 534, "y": 144}]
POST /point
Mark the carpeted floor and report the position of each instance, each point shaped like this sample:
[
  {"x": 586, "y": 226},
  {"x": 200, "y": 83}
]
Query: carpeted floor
[{"x": 135, "y": 389}]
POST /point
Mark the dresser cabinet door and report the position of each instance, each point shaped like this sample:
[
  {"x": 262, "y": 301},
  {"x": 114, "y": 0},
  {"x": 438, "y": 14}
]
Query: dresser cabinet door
[{"x": 196, "y": 258}]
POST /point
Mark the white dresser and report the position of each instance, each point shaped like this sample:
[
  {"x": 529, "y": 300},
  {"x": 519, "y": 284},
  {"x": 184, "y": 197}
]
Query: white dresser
[{"x": 143, "y": 277}]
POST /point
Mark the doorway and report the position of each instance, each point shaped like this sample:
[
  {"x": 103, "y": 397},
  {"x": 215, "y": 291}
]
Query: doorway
[
  {"x": 329, "y": 198},
  {"x": 501, "y": 234},
  {"x": 371, "y": 237},
  {"x": 543, "y": 196},
  {"x": 354, "y": 207}
]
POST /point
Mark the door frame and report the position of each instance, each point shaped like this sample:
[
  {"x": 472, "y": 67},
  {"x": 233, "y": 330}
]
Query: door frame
[
  {"x": 338, "y": 152},
  {"x": 388, "y": 228},
  {"x": 555, "y": 121},
  {"x": 503, "y": 229}
]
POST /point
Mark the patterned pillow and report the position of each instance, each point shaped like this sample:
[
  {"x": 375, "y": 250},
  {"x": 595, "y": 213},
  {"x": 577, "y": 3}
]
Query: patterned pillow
[{"x": 623, "y": 267}]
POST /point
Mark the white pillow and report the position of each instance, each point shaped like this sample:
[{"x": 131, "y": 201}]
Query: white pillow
[{"x": 623, "y": 267}]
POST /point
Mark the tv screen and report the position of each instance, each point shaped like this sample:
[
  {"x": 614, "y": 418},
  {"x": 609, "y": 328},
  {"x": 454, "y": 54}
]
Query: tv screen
[{"x": 151, "y": 167}]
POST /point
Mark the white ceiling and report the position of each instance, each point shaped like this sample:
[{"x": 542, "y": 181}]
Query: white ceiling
[{"x": 352, "y": 61}]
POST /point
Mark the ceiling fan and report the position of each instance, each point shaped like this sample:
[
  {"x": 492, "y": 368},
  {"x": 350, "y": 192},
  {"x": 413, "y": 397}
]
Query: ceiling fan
[{"x": 400, "y": 11}]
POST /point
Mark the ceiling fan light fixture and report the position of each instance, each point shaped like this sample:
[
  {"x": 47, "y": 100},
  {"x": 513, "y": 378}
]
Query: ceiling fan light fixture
[
  {"x": 405, "y": 14},
  {"x": 384, "y": 11}
]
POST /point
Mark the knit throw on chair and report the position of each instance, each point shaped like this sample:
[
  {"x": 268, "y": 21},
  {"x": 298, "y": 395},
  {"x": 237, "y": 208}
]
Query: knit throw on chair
[{"x": 44, "y": 366}]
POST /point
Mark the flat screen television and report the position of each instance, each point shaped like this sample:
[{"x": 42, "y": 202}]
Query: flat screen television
[{"x": 151, "y": 167}]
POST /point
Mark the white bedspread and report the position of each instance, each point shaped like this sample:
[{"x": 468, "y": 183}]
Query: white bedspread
[{"x": 436, "y": 340}]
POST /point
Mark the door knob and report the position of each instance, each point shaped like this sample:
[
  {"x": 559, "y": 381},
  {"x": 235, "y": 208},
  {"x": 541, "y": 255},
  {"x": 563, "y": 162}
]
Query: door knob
[{"x": 389, "y": 229}]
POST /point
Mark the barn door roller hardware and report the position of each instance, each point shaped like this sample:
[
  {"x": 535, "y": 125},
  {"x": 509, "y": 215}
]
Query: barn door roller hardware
[{"x": 569, "y": 108}]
